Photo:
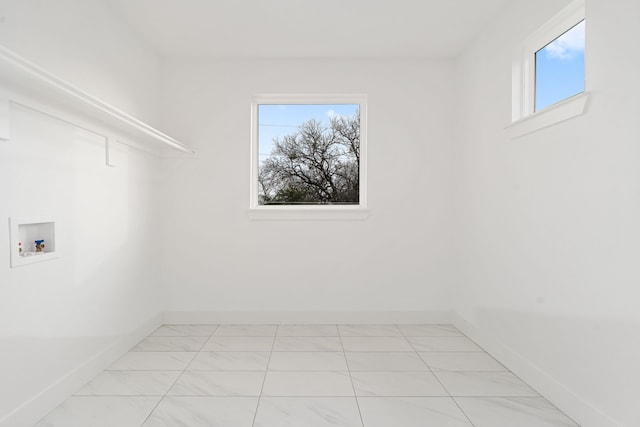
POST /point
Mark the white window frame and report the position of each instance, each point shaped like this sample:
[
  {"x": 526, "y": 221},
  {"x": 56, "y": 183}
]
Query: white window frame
[
  {"x": 524, "y": 118},
  {"x": 308, "y": 212}
]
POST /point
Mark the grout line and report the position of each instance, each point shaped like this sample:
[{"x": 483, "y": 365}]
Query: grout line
[
  {"x": 264, "y": 380},
  {"x": 389, "y": 396},
  {"x": 493, "y": 357},
  {"x": 195, "y": 354},
  {"x": 177, "y": 377},
  {"x": 437, "y": 379},
  {"x": 355, "y": 395},
  {"x": 385, "y": 396}
]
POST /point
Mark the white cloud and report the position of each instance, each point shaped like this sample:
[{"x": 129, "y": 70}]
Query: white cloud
[
  {"x": 567, "y": 45},
  {"x": 331, "y": 114}
]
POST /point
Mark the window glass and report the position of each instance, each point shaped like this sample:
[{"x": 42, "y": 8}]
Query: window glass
[
  {"x": 308, "y": 154},
  {"x": 559, "y": 68}
]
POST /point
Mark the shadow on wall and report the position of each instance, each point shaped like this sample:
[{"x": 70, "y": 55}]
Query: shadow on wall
[
  {"x": 594, "y": 357},
  {"x": 87, "y": 326}
]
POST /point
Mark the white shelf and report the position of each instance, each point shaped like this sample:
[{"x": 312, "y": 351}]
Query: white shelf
[{"x": 39, "y": 84}]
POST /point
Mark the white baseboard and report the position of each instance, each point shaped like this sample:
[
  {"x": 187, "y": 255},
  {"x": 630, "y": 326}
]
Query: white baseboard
[
  {"x": 31, "y": 411},
  {"x": 576, "y": 407},
  {"x": 305, "y": 317}
]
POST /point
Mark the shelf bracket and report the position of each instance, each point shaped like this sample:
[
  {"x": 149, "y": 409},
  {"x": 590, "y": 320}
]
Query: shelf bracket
[
  {"x": 107, "y": 153},
  {"x": 5, "y": 128}
]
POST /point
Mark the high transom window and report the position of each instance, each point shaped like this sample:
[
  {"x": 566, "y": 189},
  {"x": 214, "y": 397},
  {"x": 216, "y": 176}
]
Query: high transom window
[
  {"x": 548, "y": 75},
  {"x": 559, "y": 68}
]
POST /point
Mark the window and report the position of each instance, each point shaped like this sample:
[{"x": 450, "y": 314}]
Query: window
[
  {"x": 308, "y": 156},
  {"x": 549, "y": 73},
  {"x": 559, "y": 68}
]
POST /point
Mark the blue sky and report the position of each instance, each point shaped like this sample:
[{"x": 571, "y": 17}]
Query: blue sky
[
  {"x": 277, "y": 120},
  {"x": 560, "y": 68}
]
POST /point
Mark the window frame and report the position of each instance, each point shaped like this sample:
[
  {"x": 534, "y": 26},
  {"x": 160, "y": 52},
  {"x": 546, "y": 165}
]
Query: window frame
[
  {"x": 308, "y": 212},
  {"x": 524, "y": 118}
]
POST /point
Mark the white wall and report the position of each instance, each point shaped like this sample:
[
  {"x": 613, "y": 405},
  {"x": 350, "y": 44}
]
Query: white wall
[
  {"x": 548, "y": 228},
  {"x": 56, "y": 315},
  {"x": 216, "y": 259},
  {"x": 62, "y": 319},
  {"x": 86, "y": 43}
]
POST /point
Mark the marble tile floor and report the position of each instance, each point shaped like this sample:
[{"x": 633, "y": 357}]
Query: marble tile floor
[{"x": 306, "y": 376}]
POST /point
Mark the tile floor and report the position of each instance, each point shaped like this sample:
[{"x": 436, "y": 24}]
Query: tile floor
[{"x": 306, "y": 376}]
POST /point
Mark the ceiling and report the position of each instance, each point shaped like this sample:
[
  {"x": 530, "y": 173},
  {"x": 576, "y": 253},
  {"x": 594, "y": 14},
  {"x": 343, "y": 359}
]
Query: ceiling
[{"x": 307, "y": 28}]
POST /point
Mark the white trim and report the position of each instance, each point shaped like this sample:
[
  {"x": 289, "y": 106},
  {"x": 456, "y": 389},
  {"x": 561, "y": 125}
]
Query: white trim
[
  {"x": 575, "y": 406},
  {"x": 34, "y": 409},
  {"x": 556, "y": 113},
  {"x": 523, "y": 64},
  {"x": 331, "y": 212},
  {"x": 311, "y": 317}
]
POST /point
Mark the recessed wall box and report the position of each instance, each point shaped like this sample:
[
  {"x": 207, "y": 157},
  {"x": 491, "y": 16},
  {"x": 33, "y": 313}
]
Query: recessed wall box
[{"x": 32, "y": 239}]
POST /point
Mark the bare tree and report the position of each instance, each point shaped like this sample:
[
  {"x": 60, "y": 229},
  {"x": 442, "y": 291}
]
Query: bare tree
[{"x": 314, "y": 165}]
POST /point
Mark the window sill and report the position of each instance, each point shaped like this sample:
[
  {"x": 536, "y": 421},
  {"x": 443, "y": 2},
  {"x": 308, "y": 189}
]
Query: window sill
[
  {"x": 308, "y": 213},
  {"x": 564, "y": 110}
]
